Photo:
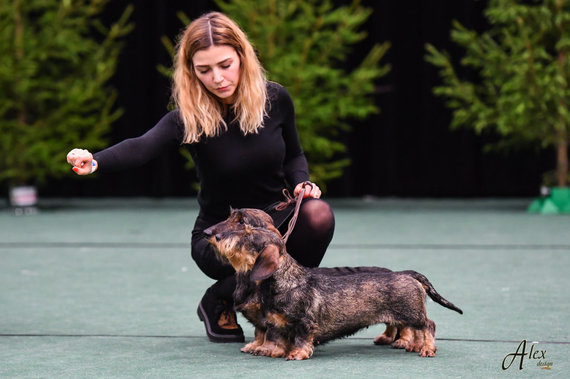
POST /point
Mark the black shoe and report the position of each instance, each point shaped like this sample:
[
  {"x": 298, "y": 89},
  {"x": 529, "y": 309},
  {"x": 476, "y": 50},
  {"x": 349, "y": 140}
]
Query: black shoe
[{"x": 211, "y": 311}]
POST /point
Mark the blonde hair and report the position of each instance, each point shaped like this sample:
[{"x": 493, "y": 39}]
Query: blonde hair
[{"x": 200, "y": 110}]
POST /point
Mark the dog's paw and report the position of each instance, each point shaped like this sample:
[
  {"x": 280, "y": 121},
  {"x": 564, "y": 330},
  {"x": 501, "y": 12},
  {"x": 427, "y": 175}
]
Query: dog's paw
[
  {"x": 250, "y": 347},
  {"x": 269, "y": 350},
  {"x": 387, "y": 337},
  {"x": 299, "y": 354},
  {"x": 400, "y": 344},
  {"x": 383, "y": 339},
  {"x": 278, "y": 352},
  {"x": 407, "y": 339},
  {"x": 413, "y": 348},
  {"x": 262, "y": 351},
  {"x": 428, "y": 351}
]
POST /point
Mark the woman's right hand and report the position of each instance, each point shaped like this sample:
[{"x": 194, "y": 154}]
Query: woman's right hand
[{"x": 82, "y": 161}]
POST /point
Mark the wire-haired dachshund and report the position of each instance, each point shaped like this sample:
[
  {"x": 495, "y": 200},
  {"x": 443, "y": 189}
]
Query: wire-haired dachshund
[{"x": 294, "y": 308}]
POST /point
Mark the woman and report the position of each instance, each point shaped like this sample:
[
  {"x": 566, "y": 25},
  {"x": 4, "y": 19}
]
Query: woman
[{"x": 240, "y": 130}]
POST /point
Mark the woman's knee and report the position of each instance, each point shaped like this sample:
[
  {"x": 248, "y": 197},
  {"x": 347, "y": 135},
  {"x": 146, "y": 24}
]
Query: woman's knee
[{"x": 317, "y": 215}]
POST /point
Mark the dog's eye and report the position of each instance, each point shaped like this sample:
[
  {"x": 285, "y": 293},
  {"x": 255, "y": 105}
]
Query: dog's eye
[{"x": 241, "y": 221}]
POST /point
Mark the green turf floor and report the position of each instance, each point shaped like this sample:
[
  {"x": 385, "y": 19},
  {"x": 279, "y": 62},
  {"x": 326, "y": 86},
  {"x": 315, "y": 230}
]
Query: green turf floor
[{"x": 107, "y": 288}]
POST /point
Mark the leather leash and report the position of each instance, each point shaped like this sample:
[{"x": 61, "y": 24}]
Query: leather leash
[{"x": 290, "y": 200}]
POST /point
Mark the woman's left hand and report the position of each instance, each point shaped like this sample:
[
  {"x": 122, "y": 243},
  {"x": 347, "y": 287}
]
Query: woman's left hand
[{"x": 311, "y": 190}]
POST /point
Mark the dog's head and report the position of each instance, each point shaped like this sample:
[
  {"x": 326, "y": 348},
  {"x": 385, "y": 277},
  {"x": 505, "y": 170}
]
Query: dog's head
[
  {"x": 249, "y": 242},
  {"x": 244, "y": 216}
]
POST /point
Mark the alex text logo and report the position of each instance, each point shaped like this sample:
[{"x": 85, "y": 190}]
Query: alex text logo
[{"x": 533, "y": 356}]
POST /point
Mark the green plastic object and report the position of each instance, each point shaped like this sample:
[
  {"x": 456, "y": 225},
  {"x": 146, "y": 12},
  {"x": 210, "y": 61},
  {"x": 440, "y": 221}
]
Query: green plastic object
[{"x": 556, "y": 203}]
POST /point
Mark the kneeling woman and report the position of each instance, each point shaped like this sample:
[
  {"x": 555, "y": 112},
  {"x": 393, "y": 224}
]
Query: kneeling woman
[{"x": 240, "y": 130}]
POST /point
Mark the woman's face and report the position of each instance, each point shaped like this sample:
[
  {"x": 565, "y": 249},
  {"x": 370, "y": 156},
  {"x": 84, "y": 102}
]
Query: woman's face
[{"x": 218, "y": 68}]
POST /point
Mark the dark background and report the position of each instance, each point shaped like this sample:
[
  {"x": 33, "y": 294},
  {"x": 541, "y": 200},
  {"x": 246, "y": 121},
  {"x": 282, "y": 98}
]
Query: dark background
[{"x": 407, "y": 150}]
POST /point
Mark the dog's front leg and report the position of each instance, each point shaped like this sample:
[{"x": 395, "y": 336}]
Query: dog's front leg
[
  {"x": 273, "y": 345},
  {"x": 302, "y": 349},
  {"x": 257, "y": 341}
]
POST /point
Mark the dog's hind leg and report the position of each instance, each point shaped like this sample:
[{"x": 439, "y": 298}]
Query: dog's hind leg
[
  {"x": 417, "y": 343},
  {"x": 420, "y": 341},
  {"x": 431, "y": 327},
  {"x": 407, "y": 337},
  {"x": 388, "y": 336},
  {"x": 428, "y": 349}
]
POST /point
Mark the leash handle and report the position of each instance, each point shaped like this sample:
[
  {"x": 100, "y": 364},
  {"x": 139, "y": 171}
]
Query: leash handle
[{"x": 290, "y": 200}]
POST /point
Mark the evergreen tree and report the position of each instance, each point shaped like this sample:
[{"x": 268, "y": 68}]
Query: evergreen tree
[
  {"x": 56, "y": 58},
  {"x": 304, "y": 45},
  {"x": 521, "y": 66}
]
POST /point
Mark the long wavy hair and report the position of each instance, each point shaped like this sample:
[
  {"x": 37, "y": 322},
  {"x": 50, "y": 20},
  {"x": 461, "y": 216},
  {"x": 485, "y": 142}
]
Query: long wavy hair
[{"x": 201, "y": 111}]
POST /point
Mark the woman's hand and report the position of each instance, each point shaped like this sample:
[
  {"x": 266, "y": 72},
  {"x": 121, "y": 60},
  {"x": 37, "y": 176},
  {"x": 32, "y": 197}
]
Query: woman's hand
[
  {"x": 311, "y": 190},
  {"x": 82, "y": 161}
]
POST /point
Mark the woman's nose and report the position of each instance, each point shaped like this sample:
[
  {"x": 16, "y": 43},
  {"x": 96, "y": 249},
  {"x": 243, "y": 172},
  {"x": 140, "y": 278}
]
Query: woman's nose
[{"x": 218, "y": 78}]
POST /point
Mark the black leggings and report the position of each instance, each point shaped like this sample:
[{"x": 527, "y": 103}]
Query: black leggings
[{"x": 307, "y": 244}]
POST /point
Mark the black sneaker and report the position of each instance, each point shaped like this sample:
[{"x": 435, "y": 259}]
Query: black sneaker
[{"x": 215, "y": 312}]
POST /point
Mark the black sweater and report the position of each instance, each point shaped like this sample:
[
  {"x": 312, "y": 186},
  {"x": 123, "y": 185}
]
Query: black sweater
[{"x": 234, "y": 170}]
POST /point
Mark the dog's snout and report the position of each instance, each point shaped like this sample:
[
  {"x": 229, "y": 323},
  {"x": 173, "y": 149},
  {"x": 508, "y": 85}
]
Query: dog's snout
[{"x": 211, "y": 232}]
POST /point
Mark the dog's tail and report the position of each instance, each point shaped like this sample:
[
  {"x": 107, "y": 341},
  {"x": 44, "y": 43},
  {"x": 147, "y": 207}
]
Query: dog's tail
[{"x": 430, "y": 290}]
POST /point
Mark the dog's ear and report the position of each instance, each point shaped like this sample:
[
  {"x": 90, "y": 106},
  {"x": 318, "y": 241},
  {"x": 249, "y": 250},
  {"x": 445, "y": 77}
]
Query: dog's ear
[
  {"x": 266, "y": 263},
  {"x": 274, "y": 230}
]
